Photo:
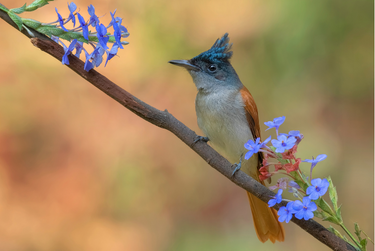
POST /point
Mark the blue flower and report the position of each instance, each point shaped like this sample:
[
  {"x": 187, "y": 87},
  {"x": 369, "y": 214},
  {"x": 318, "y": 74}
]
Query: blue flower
[
  {"x": 281, "y": 183},
  {"x": 295, "y": 134},
  {"x": 72, "y": 7},
  {"x": 294, "y": 184},
  {"x": 84, "y": 26},
  {"x": 318, "y": 188},
  {"x": 124, "y": 31},
  {"x": 293, "y": 188},
  {"x": 117, "y": 31},
  {"x": 111, "y": 53},
  {"x": 315, "y": 161},
  {"x": 304, "y": 209},
  {"x": 276, "y": 123},
  {"x": 94, "y": 20},
  {"x": 102, "y": 35},
  {"x": 88, "y": 65},
  {"x": 61, "y": 20},
  {"x": 263, "y": 144},
  {"x": 283, "y": 143},
  {"x": 67, "y": 51},
  {"x": 254, "y": 147},
  {"x": 277, "y": 199},
  {"x": 286, "y": 213},
  {"x": 79, "y": 47},
  {"x": 97, "y": 56},
  {"x": 94, "y": 59}
]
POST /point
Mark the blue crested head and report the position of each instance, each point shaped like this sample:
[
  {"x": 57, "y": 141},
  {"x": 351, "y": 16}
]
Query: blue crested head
[
  {"x": 211, "y": 69},
  {"x": 218, "y": 53}
]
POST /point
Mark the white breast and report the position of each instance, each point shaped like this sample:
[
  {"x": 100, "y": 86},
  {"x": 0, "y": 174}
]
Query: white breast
[{"x": 221, "y": 117}]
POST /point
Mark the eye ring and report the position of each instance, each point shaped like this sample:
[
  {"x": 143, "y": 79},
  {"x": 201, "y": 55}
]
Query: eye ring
[{"x": 212, "y": 68}]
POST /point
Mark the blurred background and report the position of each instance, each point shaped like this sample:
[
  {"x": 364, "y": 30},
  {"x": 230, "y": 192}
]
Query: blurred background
[{"x": 80, "y": 172}]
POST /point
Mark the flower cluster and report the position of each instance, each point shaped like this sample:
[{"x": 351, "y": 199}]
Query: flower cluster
[
  {"x": 281, "y": 158},
  {"x": 79, "y": 35},
  {"x": 97, "y": 39},
  {"x": 301, "y": 210}
]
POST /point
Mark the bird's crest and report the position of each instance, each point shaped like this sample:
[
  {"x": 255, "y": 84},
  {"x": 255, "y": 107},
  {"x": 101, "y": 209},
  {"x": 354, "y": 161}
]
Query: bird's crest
[{"x": 219, "y": 52}]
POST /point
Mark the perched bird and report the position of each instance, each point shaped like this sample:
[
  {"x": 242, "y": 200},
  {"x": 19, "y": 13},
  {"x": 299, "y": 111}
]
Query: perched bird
[{"x": 228, "y": 116}]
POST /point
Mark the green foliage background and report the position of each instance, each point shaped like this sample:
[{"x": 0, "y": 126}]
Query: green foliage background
[{"x": 79, "y": 172}]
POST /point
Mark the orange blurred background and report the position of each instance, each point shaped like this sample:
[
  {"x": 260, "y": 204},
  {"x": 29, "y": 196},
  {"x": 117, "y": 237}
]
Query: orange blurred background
[{"x": 80, "y": 172}]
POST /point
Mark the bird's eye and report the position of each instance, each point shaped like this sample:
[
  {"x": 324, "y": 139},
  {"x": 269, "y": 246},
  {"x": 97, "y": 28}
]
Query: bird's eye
[{"x": 212, "y": 68}]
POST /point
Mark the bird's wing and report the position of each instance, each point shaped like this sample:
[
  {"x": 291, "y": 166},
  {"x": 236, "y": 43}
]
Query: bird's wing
[
  {"x": 252, "y": 116},
  {"x": 265, "y": 219}
]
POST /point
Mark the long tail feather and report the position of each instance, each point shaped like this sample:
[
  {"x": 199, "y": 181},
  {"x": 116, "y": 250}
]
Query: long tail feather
[{"x": 265, "y": 220}]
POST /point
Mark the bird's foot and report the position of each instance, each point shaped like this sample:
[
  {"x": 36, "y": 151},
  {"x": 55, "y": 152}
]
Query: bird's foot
[
  {"x": 201, "y": 138},
  {"x": 236, "y": 167}
]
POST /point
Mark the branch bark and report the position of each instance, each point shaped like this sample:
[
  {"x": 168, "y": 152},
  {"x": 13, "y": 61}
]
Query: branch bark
[{"x": 167, "y": 121}]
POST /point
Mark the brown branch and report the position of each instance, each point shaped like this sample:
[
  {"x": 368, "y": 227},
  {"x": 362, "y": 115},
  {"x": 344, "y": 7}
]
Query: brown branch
[{"x": 167, "y": 121}]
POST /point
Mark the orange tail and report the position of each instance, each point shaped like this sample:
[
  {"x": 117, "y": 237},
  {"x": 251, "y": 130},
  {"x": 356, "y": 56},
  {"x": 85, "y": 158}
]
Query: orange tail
[{"x": 266, "y": 221}]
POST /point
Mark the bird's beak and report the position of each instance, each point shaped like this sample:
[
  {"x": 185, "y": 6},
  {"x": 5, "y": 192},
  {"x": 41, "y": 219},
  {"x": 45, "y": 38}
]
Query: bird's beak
[{"x": 186, "y": 64}]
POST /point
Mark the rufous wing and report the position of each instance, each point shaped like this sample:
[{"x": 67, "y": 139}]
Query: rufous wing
[{"x": 265, "y": 218}]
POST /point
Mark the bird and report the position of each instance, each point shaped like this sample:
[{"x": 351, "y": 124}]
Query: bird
[{"x": 228, "y": 116}]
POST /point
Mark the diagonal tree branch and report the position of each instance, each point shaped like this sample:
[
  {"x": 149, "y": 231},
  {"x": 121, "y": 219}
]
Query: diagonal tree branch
[{"x": 167, "y": 121}]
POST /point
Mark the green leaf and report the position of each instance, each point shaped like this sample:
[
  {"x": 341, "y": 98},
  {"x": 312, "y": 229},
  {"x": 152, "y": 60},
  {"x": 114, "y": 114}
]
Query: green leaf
[
  {"x": 19, "y": 10},
  {"x": 332, "y": 193},
  {"x": 318, "y": 214},
  {"x": 15, "y": 19},
  {"x": 332, "y": 219},
  {"x": 337, "y": 233},
  {"x": 363, "y": 244},
  {"x": 294, "y": 175},
  {"x": 82, "y": 39},
  {"x": 37, "y": 4},
  {"x": 301, "y": 183},
  {"x": 325, "y": 215},
  {"x": 338, "y": 213},
  {"x": 2, "y": 7},
  {"x": 324, "y": 206},
  {"x": 50, "y": 30},
  {"x": 31, "y": 23},
  {"x": 273, "y": 148},
  {"x": 75, "y": 35},
  {"x": 95, "y": 39},
  {"x": 357, "y": 231},
  {"x": 328, "y": 213},
  {"x": 304, "y": 177},
  {"x": 65, "y": 36}
]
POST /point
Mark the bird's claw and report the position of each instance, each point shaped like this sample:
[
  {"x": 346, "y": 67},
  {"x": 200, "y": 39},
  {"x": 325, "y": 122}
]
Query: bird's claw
[
  {"x": 237, "y": 167},
  {"x": 201, "y": 138}
]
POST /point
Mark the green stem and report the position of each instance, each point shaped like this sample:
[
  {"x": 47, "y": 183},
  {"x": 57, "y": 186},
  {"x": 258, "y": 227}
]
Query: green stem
[
  {"x": 301, "y": 176},
  {"x": 350, "y": 235},
  {"x": 367, "y": 236}
]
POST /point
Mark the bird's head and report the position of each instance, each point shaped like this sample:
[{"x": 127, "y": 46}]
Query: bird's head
[{"x": 211, "y": 69}]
